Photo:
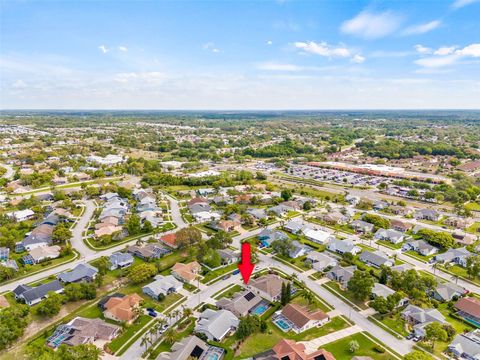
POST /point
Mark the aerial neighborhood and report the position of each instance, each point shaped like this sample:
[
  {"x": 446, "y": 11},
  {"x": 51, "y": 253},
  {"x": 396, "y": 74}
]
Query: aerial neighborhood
[{"x": 128, "y": 247}]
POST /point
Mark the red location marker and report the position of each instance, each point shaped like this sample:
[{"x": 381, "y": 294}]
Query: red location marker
[{"x": 246, "y": 267}]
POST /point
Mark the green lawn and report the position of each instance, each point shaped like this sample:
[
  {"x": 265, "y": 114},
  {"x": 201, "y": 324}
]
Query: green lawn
[
  {"x": 316, "y": 305},
  {"x": 473, "y": 206},
  {"x": 116, "y": 343},
  {"x": 390, "y": 245},
  {"x": 335, "y": 324},
  {"x": 219, "y": 272},
  {"x": 461, "y": 272},
  {"x": 184, "y": 329},
  {"x": 335, "y": 287},
  {"x": 340, "y": 348},
  {"x": 229, "y": 293},
  {"x": 394, "y": 323}
]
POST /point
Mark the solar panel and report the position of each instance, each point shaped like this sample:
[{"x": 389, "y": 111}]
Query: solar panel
[
  {"x": 196, "y": 352},
  {"x": 249, "y": 296}
]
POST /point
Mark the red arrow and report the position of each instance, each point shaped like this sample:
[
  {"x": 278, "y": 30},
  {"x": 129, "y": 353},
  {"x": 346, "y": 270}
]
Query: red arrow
[{"x": 246, "y": 267}]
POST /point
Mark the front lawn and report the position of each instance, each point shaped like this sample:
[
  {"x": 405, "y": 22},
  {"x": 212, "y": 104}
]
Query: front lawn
[
  {"x": 117, "y": 343},
  {"x": 340, "y": 348},
  {"x": 229, "y": 293},
  {"x": 394, "y": 323},
  {"x": 209, "y": 276},
  {"x": 334, "y": 288}
]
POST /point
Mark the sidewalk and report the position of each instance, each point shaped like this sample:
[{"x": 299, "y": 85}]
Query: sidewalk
[{"x": 315, "y": 344}]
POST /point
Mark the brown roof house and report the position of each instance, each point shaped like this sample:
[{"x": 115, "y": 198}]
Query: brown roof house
[
  {"x": 301, "y": 319},
  {"x": 186, "y": 273},
  {"x": 290, "y": 350},
  {"x": 123, "y": 309},
  {"x": 469, "y": 309},
  {"x": 268, "y": 286}
]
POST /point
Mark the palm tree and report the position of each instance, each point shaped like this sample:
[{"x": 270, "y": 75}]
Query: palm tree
[
  {"x": 187, "y": 312},
  {"x": 144, "y": 342},
  {"x": 169, "y": 336},
  {"x": 307, "y": 295}
]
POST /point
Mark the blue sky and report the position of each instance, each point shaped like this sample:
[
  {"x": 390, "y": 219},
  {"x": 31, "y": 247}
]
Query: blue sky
[{"x": 239, "y": 54}]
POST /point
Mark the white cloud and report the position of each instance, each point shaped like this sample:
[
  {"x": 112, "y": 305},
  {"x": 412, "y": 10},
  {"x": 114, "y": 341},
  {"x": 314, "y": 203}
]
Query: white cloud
[
  {"x": 437, "y": 61},
  {"x": 357, "y": 59},
  {"x": 19, "y": 84},
  {"x": 472, "y": 50},
  {"x": 457, "y": 4},
  {"x": 422, "y": 28},
  {"x": 422, "y": 49},
  {"x": 446, "y": 50},
  {"x": 151, "y": 76},
  {"x": 103, "y": 49},
  {"x": 269, "y": 42},
  {"x": 123, "y": 48},
  {"x": 371, "y": 25},
  {"x": 211, "y": 47},
  {"x": 326, "y": 50}
]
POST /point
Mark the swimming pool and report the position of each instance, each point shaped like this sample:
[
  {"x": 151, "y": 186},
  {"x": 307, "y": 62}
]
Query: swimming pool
[
  {"x": 260, "y": 309},
  {"x": 283, "y": 324}
]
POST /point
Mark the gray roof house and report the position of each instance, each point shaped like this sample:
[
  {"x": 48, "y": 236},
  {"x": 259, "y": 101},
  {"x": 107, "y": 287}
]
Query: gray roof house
[
  {"x": 343, "y": 246},
  {"x": 420, "y": 246},
  {"x": 447, "y": 291},
  {"x": 427, "y": 214},
  {"x": 419, "y": 318},
  {"x": 390, "y": 235},
  {"x": 241, "y": 304},
  {"x": 294, "y": 226},
  {"x": 298, "y": 249},
  {"x": 228, "y": 256},
  {"x": 280, "y": 210},
  {"x": 267, "y": 236},
  {"x": 466, "y": 346},
  {"x": 215, "y": 325},
  {"x": 33, "y": 295},
  {"x": 362, "y": 226},
  {"x": 257, "y": 213},
  {"x": 341, "y": 274},
  {"x": 375, "y": 259},
  {"x": 381, "y": 290},
  {"x": 402, "y": 267},
  {"x": 163, "y": 285},
  {"x": 120, "y": 260},
  {"x": 80, "y": 273},
  {"x": 458, "y": 256},
  {"x": 320, "y": 261},
  {"x": 187, "y": 348}
]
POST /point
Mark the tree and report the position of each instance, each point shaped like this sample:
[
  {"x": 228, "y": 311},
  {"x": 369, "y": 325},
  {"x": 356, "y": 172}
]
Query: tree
[
  {"x": 286, "y": 293},
  {"x": 380, "y": 304},
  {"x": 80, "y": 291},
  {"x": 188, "y": 236},
  {"x": 51, "y": 305},
  {"x": 282, "y": 247},
  {"x": 141, "y": 272},
  {"x": 360, "y": 284},
  {"x": 307, "y": 205},
  {"x": 61, "y": 234},
  {"x": 134, "y": 225},
  {"x": 473, "y": 266},
  {"x": 147, "y": 227},
  {"x": 417, "y": 355},
  {"x": 377, "y": 220},
  {"x": 353, "y": 346},
  {"x": 248, "y": 325},
  {"x": 286, "y": 194},
  {"x": 6, "y": 273},
  {"x": 220, "y": 240},
  {"x": 82, "y": 351},
  {"x": 13, "y": 321},
  {"x": 308, "y": 296},
  {"x": 435, "y": 331}
]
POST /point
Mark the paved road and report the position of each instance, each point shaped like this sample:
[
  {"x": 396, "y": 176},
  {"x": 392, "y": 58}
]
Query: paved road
[{"x": 77, "y": 233}]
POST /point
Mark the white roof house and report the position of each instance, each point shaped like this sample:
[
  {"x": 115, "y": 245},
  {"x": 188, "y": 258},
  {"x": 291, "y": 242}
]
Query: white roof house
[
  {"x": 21, "y": 215},
  {"x": 215, "y": 325},
  {"x": 320, "y": 261},
  {"x": 318, "y": 236},
  {"x": 163, "y": 285}
]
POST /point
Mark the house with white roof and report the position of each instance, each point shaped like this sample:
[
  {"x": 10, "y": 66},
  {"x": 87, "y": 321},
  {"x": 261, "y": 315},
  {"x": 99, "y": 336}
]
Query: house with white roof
[
  {"x": 162, "y": 286},
  {"x": 216, "y": 325}
]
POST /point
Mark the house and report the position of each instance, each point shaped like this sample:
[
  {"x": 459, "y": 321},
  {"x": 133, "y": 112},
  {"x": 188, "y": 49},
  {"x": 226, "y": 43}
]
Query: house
[
  {"x": 419, "y": 318},
  {"x": 186, "y": 273},
  {"x": 83, "y": 331},
  {"x": 148, "y": 251},
  {"x": 228, "y": 256},
  {"x": 43, "y": 253},
  {"x": 427, "y": 214},
  {"x": 152, "y": 216},
  {"x": 267, "y": 236},
  {"x": 294, "y": 226},
  {"x": 204, "y": 216},
  {"x": 120, "y": 260},
  {"x": 384, "y": 291},
  {"x": 448, "y": 291},
  {"x": 457, "y": 256},
  {"x": 170, "y": 240},
  {"x": 287, "y": 349},
  {"x": 216, "y": 325},
  {"x": 341, "y": 274},
  {"x": 401, "y": 210},
  {"x": 4, "y": 253},
  {"x": 33, "y": 295},
  {"x": 298, "y": 249},
  {"x": 466, "y": 346},
  {"x": 189, "y": 348},
  {"x": 361, "y": 226},
  {"x": 123, "y": 309},
  {"x": 353, "y": 200},
  {"x": 280, "y": 210},
  {"x": 302, "y": 319},
  {"x": 243, "y": 198},
  {"x": 21, "y": 215},
  {"x": 376, "y": 258},
  {"x": 267, "y": 286},
  {"x": 80, "y": 273},
  {"x": 458, "y": 222},
  {"x": 257, "y": 213},
  {"x": 380, "y": 205},
  {"x": 40, "y": 236},
  {"x": 400, "y": 225},
  {"x": 225, "y": 225},
  {"x": 469, "y": 309},
  {"x": 320, "y": 261},
  {"x": 162, "y": 286},
  {"x": 343, "y": 247},
  {"x": 241, "y": 304},
  {"x": 318, "y": 236},
  {"x": 464, "y": 238},
  {"x": 389, "y": 235},
  {"x": 335, "y": 217},
  {"x": 402, "y": 267},
  {"x": 421, "y": 247},
  {"x": 107, "y": 230},
  {"x": 292, "y": 205}
]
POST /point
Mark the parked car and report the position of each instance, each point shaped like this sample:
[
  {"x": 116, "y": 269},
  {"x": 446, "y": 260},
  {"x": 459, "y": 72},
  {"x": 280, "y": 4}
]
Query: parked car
[
  {"x": 152, "y": 313},
  {"x": 410, "y": 336}
]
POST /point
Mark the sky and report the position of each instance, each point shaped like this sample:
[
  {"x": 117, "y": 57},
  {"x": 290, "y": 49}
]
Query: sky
[{"x": 240, "y": 55}]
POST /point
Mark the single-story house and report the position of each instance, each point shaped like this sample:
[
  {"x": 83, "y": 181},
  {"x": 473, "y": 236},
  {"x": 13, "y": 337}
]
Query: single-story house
[
  {"x": 389, "y": 235},
  {"x": 466, "y": 346},
  {"x": 427, "y": 214},
  {"x": 228, "y": 256},
  {"x": 469, "y": 309},
  {"x": 120, "y": 260},
  {"x": 457, "y": 256},
  {"x": 162, "y": 286},
  {"x": 320, "y": 261},
  {"x": 343, "y": 246},
  {"x": 421, "y": 247},
  {"x": 123, "y": 308},
  {"x": 267, "y": 236},
  {"x": 186, "y": 273},
  {"x": 241, "y": 304},
  {"x": 448, "y": 291},
  {"x": 341, "y": 274},
  {"x": 33, "y": 295},
  {"x": 400, "y": 225},
  {"x": 216, "y": 325},
  {"x": 302, "y": 319},
  {"x": 376, "y": 259},
  {"x": 420, "y": 318},
  {"x": 318, "y": 236},
  {"x": 361, "y": 226},
  {"x": 267, "y": 286},
  {"x": 80, "y": 273}
]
